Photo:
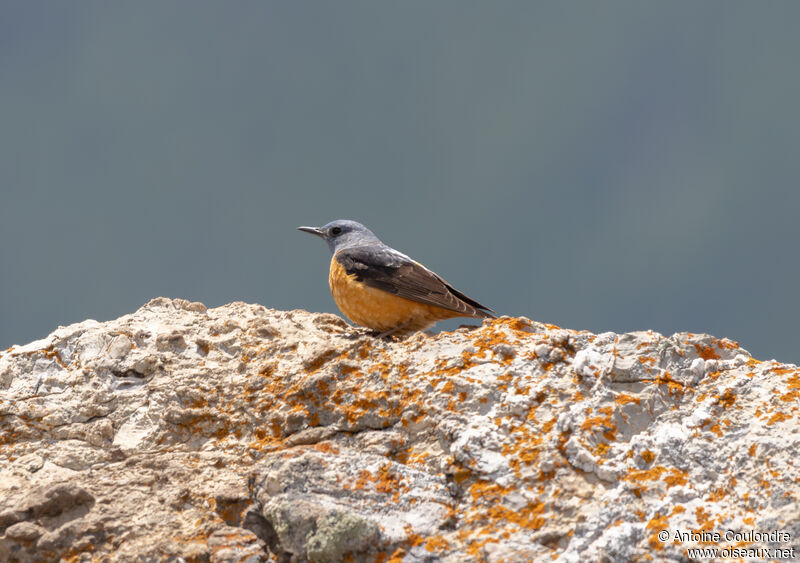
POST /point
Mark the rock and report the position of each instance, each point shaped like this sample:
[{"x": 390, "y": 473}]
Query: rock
[
  {"x": 247, "y": 434},
  {"x": 236, "y": 545},
  {"x": 338, "y": 533},
  {"x": 24, "y": 532}
]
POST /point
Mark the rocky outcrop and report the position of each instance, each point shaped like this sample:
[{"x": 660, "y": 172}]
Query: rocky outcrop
[{"x": 248, "y": 434}]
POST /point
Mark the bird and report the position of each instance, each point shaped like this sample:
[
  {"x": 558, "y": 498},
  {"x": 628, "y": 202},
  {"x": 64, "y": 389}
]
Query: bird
[{"x": 380, "y": 288}]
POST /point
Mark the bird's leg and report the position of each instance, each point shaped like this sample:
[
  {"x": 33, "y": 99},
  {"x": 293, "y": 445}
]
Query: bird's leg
[{"x": 390, "y": 332}]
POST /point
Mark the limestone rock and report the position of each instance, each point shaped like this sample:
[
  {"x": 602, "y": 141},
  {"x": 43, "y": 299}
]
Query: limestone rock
[{"x": 247, "y": 434}]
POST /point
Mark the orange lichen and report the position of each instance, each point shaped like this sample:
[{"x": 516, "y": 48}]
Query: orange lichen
[
  {"x": 604, "y": 422},
  {"x": 674, "y": 477},
  {"x": 548, "y": 425},
  {"x": 727, "y": 399},
  {"x": 474, "y": 548},
  {"x": 793, "y": 395},
  {"x": 364, "y": 477},
  {"x": 267, "y": 369},
  {"x": 518, "y": 326},
  {"x": 676, "y": 388},
  {"x": 412, "y": 539},
  {"x": 397, "y": 556},
  {"x": 364, "y": 350},
  {"x": 383, "y": 481},
  {"x": 657, "y": 523},
  {"x": 529, "y": 517},
  {"x": 646, "y": 474},
  {"x": 51, "y": 353},
  {"x": 326, "y": 448},
  {"x": 602, "y": 449},
  {"x": 727, "y": 344},
  {"x": 75, "y": 554},
  {"x": 346, "y": 370},
  {"x": 775, "y": 474},
  {"x": 706, "y": 352},
  {"x": 461, "y": 474},
  {"x": 778, "y": 417},
  {"x": 317, "y": 362},
  {"x": 624, "y": 399},
  {"x": 418, "y": 458},
  {"x": 704, "y": 519},
  {"x": 437, "y": 543}
]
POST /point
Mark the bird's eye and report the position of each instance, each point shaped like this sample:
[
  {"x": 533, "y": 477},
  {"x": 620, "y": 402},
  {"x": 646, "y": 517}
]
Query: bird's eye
[{"x": 336, "y": 231}]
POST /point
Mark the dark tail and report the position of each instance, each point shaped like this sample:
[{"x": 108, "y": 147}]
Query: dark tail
[{"x": 478, "y": 311}]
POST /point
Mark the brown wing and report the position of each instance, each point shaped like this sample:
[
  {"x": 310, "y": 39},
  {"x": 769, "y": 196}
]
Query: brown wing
[{"x": 384, "y": 268}]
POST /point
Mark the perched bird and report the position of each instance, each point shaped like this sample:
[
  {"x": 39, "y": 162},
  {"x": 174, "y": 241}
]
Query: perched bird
[{"x": 378, "y": 287}]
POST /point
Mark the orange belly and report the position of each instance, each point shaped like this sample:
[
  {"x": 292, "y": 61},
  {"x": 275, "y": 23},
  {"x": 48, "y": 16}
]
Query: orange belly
[{"x": 377, "y": 309}]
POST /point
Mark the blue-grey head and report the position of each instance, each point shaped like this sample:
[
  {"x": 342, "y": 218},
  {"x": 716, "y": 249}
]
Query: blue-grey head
[{"x": 343, "y": 233}]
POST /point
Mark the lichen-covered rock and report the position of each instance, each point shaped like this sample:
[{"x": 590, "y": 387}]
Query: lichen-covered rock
[{"x": 248, "y": 434}]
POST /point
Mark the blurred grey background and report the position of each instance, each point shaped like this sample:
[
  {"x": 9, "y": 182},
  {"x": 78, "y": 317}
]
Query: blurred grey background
[{"x": 598, "y": 165}]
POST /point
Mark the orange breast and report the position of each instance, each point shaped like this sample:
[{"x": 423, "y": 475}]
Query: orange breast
[{"x": 377, "y": 309}]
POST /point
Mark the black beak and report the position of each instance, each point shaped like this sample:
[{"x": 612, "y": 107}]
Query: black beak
[{"x": 312, "y": 230}]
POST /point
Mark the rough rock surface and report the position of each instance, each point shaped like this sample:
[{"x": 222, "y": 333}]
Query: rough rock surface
[{"x": 248, "y": 434}]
